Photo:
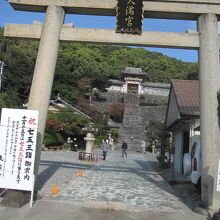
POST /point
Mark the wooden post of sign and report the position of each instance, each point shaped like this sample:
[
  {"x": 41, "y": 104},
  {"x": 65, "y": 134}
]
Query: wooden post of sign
[{"x": 32, "y": 193}]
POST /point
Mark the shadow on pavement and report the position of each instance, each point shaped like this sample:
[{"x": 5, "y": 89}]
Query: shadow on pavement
[
  {"x": 185, "y": 191},
  {"x": 53, "y": 167}
]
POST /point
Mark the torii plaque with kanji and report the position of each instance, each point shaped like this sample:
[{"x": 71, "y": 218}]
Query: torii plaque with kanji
[{"x": 129, "y": 14}]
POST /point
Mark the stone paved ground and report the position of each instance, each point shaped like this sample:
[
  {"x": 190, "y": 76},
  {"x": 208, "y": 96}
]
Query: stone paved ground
[{"x": 132, "y": 181}]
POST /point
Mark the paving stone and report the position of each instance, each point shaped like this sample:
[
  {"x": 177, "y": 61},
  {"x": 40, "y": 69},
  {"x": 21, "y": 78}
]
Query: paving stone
[
  {"x": 135, "y": 182},
  {"x": 15, "y": 199}
]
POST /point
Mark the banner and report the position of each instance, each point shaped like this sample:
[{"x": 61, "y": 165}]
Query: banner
[
  {"x": 129, "y": 15},
  {"x": 18, "y": 133}
]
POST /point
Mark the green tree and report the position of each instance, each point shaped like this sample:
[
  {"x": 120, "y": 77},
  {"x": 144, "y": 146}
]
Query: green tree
[
  {"x": 156, "y": 133},
  {"x": 98, "y": 63},
  {"x": 65, "y": 123}
]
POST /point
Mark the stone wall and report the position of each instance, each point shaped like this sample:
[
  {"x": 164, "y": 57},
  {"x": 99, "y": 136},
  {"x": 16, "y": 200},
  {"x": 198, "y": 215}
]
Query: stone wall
[
  {"x": 157, "y": 113},
  {"x": 145, "y": 99},
  {"x": 153, "y": 100},
  {"x": 157, "y": 89},
  {"x": 114, "y": 96},
  {"x": 139, "y": 109}
]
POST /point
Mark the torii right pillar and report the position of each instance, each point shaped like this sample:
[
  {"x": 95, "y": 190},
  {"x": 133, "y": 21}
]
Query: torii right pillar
[{"x": 209, "y": 78}]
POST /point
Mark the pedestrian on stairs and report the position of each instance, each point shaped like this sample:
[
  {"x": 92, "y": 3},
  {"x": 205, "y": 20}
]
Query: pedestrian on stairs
[{"x": 124, "y": 148}]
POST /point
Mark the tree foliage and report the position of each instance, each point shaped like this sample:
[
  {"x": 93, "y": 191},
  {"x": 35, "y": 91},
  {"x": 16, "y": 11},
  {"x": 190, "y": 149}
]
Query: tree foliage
[
  {"x": 64, "y": 124},
  {"x": 157, "y": 134},
  {"x": 80, "y": 65},
  {"x": 116, "y": 111}
]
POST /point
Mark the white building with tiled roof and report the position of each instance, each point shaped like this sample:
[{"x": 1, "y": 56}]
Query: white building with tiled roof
[{"x": 183, "y": 117}]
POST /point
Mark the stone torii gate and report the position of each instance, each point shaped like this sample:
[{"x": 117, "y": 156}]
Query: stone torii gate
[{"x": 206, "y": 41}]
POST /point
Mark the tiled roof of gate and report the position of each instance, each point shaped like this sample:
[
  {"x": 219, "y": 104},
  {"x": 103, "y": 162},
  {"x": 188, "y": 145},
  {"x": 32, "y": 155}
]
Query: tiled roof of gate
[
  {"x": 133, "y": 71},
  {"x": 187, "y": 96}
]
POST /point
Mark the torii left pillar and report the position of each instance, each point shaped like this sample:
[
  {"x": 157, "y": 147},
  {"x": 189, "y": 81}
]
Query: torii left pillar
[{"x": 44, "y": 71}]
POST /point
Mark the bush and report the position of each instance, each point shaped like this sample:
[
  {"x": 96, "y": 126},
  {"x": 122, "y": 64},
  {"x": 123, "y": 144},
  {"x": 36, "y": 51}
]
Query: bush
[
  {"x": 67, "y": 147},
  {"x": 162, "y": 160},
  {"x": 66, "y": 124},
  {"x": 98, "y": 140},
  {"x": 149, "y": 148},
  {"x": 51, "y": 139},
  {"x": 115, "y": 133}
]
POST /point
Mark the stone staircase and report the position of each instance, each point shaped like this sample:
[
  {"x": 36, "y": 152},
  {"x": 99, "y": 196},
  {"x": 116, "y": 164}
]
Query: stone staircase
[
  {"x": 133, "y": 137},
  {"x": 133, "y": 112},
  {"x": 132, "y": 129}
]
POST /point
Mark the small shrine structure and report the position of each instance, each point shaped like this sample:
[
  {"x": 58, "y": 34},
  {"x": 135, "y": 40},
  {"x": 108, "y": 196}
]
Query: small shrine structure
[
  {"x": 135, "y": 81},
  {"x": 133, "y": 78}
]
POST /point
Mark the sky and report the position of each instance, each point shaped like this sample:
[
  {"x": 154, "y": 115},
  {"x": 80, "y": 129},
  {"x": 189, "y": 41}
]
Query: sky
[{"x": 9, "y": 15}]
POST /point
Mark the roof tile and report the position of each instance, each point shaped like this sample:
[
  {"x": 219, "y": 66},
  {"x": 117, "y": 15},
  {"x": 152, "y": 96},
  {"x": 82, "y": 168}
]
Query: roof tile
[{"x": 187, "y": 95}]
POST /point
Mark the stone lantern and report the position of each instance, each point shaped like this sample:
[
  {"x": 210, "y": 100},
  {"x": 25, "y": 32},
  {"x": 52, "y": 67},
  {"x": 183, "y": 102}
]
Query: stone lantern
[{"x": 89, "y": 137}]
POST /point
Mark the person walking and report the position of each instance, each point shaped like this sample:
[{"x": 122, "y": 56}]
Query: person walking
[
  {"x": 105, "y": 147},
  {"x": 124, "y": 148},
  {"x": 111, "y": 143}
]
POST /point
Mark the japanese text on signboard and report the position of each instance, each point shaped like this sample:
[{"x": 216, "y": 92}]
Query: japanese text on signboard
[
  {"x": 129, "y": 14},
  {"x": 17, "y": 151}
]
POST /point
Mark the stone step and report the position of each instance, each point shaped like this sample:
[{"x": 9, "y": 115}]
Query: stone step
[{"x": 132, "y": 129}]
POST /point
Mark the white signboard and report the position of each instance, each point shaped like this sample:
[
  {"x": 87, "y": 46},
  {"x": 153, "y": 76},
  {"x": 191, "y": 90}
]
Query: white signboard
[
  {"x": 18, "y": 132},
  {"x": 218, "y": 178}
]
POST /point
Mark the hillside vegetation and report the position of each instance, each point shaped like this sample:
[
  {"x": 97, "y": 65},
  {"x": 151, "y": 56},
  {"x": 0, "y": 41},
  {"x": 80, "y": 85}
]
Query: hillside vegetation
[{"x": 80, "y": 66}]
